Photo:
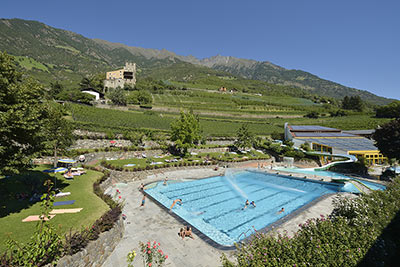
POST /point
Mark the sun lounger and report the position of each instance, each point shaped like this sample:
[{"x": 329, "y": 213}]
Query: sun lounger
[
  {"x": 35, "y": 218},
  {"x": 60, "y": 203},
  {"x": 68, "y": 176},
  {"x": 61, "y": 194},
  {"x": 62, "y": 211}
]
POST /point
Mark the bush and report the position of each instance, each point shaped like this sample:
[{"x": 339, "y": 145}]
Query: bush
[
  {"x": 312, "y": 115},
  {"x": 75, "y": 242}
]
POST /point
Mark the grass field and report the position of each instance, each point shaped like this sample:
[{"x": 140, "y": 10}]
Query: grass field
[
  {"x": 29, "y": 63},
  {"x": 13, "y": 210}
]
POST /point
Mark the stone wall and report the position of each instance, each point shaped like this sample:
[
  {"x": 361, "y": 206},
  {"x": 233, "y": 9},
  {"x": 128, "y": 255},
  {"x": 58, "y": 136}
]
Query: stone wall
[
  {"x": 125, "y": 177},
  {"x": 97, "y": 251},
  {"x": 99, "y": 143}
]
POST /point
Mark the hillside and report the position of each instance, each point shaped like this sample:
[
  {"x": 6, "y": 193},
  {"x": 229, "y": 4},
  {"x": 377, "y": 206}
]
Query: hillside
[{"x": 52, "y": 54}]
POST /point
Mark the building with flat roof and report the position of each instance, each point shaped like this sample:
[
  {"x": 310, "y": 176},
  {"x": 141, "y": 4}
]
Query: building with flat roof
[{"x": 333, "y": 141}]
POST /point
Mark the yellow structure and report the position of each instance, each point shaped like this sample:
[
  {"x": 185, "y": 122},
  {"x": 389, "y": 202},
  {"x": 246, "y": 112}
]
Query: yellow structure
[
  {"x": 372, "y": 156},
  {"x": 116, "y": 74}
]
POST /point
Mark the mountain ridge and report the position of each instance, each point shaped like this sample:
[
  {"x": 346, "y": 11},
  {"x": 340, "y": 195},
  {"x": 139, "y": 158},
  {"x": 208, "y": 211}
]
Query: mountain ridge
[{"x": 69, "y": 56}]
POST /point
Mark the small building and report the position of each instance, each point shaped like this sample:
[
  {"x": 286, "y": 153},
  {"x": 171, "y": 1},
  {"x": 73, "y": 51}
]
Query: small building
[
  {"x": 333, "y": 141},
  {"x": 121, "y": 77},
  {"x": 90, "y": 92}
]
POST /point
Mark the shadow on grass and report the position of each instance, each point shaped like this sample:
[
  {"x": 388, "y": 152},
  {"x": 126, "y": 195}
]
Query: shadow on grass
[
  {"x": 16, "y": 191},
  {"x": 386, "y": 249}
]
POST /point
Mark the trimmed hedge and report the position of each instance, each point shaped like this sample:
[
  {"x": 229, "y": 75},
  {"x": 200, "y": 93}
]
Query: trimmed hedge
[{"x": 363, "y": 231}]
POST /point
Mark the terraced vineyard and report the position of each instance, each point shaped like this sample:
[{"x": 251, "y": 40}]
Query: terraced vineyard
[{"x": 220, "y": 114}]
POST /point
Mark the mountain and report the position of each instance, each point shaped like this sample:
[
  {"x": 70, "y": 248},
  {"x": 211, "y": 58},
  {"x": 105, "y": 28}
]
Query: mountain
[{"x": 52, "y": 54}]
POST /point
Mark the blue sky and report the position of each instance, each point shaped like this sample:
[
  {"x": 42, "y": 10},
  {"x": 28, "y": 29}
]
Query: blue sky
[{"x": 355, "y": 43}]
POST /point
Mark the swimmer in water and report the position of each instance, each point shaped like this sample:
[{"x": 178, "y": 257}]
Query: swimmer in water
[
  {"x": 246, "y": 204},
  {"x": 253, "y": 203},
  {"x": 175, "y": 201},
  {"x": 282, "y": 210}
]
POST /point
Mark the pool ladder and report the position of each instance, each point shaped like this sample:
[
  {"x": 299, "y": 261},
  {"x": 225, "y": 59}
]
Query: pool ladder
[{"x": 245, "y": 232}]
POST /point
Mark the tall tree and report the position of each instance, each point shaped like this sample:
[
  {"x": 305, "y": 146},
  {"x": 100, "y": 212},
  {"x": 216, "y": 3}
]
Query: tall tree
[
  {"x": 353, "y": 103},
  {"x": 387, "y": 139},
  {"x": 58, "y": 131},
  {"x": 118, "y": 96},
  {"x": 186, "y": 131},
  {"x": 244, "y": 137},
  {"x": 21, "y": 118}
]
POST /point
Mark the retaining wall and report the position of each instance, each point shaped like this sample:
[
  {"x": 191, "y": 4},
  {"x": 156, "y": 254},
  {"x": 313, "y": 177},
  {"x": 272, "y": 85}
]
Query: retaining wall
[{"x": 97, "y": 251}]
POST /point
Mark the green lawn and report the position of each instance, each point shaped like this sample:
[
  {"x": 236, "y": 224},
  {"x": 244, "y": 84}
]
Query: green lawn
[{"x": 81, "y": 189}]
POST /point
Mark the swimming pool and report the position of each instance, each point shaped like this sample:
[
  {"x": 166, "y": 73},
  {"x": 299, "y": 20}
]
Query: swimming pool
[
  {"x": 370, "y": 185},
  {"x": 215, "y": 205}
]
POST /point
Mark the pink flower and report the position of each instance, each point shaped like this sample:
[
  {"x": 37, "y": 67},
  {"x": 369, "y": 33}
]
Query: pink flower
[
  {"x": 119, "y": 197},
  {"x": 149, "y": 251},
  {"x": 148, "y": 245},
  {"x": 166, "y": 256},
  {"x": 150, "y": 264},
  {"x": 159, "y": 244},
  {"x": 154, "y": 246}
]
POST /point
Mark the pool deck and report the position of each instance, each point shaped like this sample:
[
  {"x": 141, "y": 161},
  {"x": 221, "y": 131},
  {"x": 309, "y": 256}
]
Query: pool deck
[{"x": 154, "y": 223}]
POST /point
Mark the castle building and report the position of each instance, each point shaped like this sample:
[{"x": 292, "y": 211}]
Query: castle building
[{"x": 120, "y": 78}]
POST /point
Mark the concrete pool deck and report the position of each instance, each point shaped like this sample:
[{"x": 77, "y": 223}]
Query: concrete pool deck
[{"x": 153, "y": 223}]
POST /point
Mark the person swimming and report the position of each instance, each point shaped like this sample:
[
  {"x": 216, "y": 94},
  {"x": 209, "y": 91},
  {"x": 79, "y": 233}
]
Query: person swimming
[
  {"x": 282, "y": 210},
  {"x": 175, "y": 201},
  {"x": 253, "y": 203}
]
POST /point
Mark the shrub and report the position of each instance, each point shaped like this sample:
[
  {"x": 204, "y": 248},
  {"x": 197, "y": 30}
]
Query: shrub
[{"x": 75, "y": 242}]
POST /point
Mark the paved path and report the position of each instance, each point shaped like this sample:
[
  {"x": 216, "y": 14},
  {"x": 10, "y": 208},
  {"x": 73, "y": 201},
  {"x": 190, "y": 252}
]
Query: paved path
[{"x": 152, "y": 223}]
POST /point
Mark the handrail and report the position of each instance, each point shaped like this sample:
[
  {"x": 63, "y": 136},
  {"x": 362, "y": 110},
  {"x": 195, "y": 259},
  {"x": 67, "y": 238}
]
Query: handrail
[{"x": 245, "y": 232}]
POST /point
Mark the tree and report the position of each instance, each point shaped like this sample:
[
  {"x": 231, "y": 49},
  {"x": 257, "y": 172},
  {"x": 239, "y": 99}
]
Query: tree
[
  {"x": 353, "y": 103},
  {"x": 312, "y": 115},
  {"x": 118, "y": 96},
  {"x": 94, "y": 82},
  {"x": 21, "y": 118},
  {"x": 387, "y": 139},
  {"x": 55, "y": 89},
  {"x": 185, "y": 132},
  {"x": 389, "y": 111},
  {"x": 144, "y": 97},
  {"x": 58, "y": 131},
  {"x": 244, "y": 137}
]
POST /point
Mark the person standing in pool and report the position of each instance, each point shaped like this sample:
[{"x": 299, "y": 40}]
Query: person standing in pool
[
  {"x": 246, "y": 204},
  {"x": 175, "y": 201}
]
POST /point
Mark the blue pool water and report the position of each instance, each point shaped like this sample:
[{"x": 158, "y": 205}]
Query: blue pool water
[
  {"x": 215, "y": 205},
  {"x": 316, "y": 173},
  {"x": 370, "y": 185}
]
